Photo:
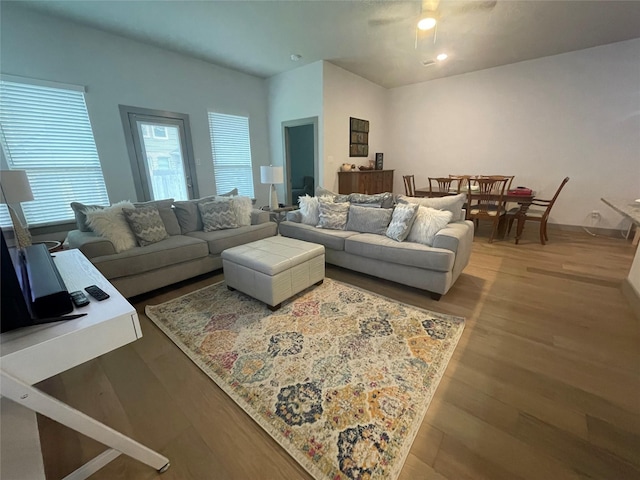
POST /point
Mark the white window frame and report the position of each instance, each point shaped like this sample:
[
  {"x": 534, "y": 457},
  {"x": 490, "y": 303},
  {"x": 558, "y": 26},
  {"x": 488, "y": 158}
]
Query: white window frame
[
  {"x": 231, "y": 149},
  {"x": 45, "y": 129}
]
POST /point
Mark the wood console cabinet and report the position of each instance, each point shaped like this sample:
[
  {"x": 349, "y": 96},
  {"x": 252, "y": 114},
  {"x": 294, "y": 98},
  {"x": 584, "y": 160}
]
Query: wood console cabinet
[{"x": 365, "y": 181}]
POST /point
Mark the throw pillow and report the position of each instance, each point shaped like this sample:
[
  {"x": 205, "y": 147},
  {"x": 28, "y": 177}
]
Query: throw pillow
[
  {"x": 146, "y": 224},
  {"x": 401, "y": 221},
  {"x": 231, "y": 193},
  {"x": 217, "y": 216},
  {"x": 332, "y": 215},
  {"x": 186, "y": 212},
  {"x": 427, "y": 224},
  {"x": 450, "y": 203},
  {"x": 369, "y": 220},
  {"x": 79, "y": 211},
  {"x": 309, "y": 210},
  {"x": 167, "y": 214},
  {"x": 242, "y": 207},
  {"x": 109, "y": 222}
]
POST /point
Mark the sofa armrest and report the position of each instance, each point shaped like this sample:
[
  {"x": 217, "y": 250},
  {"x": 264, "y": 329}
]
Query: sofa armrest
[
  {"x": 454, "y": 235},
  {"x": 90, "y": 244},
  {"x": 294, "y": 216},
  {"x": 259, "y": 216}
]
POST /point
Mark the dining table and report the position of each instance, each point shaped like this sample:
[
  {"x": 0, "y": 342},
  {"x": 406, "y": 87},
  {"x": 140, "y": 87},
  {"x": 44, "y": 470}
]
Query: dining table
[{"x": 524, "y": 201}]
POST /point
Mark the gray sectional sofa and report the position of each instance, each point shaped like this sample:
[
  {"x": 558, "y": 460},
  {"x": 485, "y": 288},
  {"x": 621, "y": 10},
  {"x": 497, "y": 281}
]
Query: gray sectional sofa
[
  {"x": 178, "y": 257},
  {"x": 432, "y": 268}
]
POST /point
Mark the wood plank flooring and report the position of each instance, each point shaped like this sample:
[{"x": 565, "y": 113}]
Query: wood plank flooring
[{"x": 544, "y": 384}]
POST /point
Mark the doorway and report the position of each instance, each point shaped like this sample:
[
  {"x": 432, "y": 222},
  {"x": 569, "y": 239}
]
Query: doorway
[
  {"x": 161, "y": 153},
  {"x": 301, "y": 158}
]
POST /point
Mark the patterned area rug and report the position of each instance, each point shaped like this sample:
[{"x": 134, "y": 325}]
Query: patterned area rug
[{"x": 340, "y": 377}]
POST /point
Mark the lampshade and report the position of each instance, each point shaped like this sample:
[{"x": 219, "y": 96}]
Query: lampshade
[
  {"x": 15, "y": 187},
  {"x": 271, "y": 174}
]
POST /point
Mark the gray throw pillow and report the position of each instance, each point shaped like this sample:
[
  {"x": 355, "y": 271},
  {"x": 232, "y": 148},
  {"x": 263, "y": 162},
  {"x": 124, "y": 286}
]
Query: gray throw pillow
[
  {"x": 146, "y": 224},
  {"x": 186, "y": 212},
  {"x": 231, "y": 193},
  {"x": 401, "y": 221},
  {"x": 369, "y": 220},
  {"x": 333, "y": 216},
  {"x": 80, "y": 210},
  {"x": 337, "y": 197},
  {"x": 217, "y": 216}
]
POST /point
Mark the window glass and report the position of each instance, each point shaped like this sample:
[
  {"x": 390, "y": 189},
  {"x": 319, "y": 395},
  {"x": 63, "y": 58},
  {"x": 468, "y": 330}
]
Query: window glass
[
  {"x": 231, "y": 153},
  {"x": 46, "y": 131}
]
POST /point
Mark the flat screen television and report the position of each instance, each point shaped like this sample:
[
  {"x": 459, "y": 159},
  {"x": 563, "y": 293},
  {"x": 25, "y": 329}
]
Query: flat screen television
[{"x": 14, "y": 312}]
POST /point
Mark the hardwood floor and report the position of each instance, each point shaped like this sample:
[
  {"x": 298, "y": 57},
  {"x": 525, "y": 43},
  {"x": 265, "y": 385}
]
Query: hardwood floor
[{"x": 544, "y": 384}]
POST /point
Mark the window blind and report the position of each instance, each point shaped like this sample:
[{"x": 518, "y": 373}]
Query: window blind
[
  {"x": 46, "y": 131},
  {"x": 231, "y": 153}
]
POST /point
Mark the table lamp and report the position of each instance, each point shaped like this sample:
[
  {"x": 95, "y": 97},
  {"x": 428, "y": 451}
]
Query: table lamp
[
  {"x": 15, "y": 188},
  {"x": 272, "y": 175}
]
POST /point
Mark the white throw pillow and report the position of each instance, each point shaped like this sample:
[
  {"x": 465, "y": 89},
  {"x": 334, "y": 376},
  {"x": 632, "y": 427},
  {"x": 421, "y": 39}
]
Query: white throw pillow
[
  {"x": 427, "y": 224},
  {"x": 309, "y": 210},
  {"x": 110, "y": 223},
  {"x": 242, "y": 207}
]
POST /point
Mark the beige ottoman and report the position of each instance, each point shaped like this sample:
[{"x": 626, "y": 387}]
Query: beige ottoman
[{"x": 273, "y": 269}]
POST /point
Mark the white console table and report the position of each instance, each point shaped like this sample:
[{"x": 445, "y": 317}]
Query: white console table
[{"x": 29, "y": 355}]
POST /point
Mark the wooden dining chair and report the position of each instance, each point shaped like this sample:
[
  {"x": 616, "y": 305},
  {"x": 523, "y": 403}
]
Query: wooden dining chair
[
  {"x": 487, "y": 203},
  {"x": 441, "y": 184},
  {"x": 409, "y": 185},
  {"x": 537, "y": 214},
  {"x": 508, "y": 177},
  {"x": 461, "y": 182}
]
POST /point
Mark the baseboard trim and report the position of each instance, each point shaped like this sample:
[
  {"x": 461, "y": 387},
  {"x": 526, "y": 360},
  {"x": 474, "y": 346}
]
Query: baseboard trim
[
  {"x": 604, "y": 232},
  {"x": 632, "y": 295}
]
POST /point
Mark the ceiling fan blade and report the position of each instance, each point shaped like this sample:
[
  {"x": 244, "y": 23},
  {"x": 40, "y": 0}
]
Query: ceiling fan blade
[{"x": 379, "y": 22}]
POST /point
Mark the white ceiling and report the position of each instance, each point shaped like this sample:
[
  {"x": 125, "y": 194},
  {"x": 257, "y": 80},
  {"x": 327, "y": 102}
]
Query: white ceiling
[{"x": 373, "y": 39}]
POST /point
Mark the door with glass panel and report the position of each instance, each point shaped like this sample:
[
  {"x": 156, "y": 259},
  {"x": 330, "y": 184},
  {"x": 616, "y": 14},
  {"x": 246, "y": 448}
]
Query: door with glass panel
[{"x": 161, "y": 154}]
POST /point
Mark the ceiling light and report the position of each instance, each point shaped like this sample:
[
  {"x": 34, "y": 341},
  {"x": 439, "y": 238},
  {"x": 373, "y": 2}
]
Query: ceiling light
[
  {"x": 427, "y": 23},
  {"x": 295, "y": 57},
  {"x": 442, "y": 56}
]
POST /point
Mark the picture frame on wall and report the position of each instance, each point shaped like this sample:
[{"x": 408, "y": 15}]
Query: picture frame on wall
[
  {"x": 358, "y": 137},
  {"x": 379, "y": 161}
]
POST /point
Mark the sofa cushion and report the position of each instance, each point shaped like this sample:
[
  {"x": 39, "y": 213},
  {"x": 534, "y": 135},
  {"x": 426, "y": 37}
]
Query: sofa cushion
[
  {"x": 217, "y": 216},
  {"x": 428, "y": 222},
  {"x": 333, "y": 239},
  {"x": 384, "y": 200},
  {"x": 172, "y": 250},
  {"x": 451, "y": 203},
  {"x": 380, "y": 247},
  {"x": 337, "y": 197},
  {"x": 369, "y": 220},
  {"x": 220, "y": 240},
  {"x": 109, "y": 222},
  {"x": 333, "y": 216},
  {"x": 146, "y": 224},
  {"x": 401, "y": 221}
]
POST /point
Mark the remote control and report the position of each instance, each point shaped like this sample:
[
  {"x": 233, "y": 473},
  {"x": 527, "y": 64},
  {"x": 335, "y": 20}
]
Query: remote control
[
  {"x": 79, "y": 299},
  {"x": 97, "y": 293}
]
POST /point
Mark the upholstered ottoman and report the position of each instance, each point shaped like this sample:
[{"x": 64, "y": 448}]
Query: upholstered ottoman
[{"x": 273, "y": 269}]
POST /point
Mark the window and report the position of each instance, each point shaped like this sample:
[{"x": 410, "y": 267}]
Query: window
[
  {"x": 45, "y": 130},
  {"x": 160, "y": 132},
  {"x": 231, "y": 153},
  {"x": 146, "y": 131}
]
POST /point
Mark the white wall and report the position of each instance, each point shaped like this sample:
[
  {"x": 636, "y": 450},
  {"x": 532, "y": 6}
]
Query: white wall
[
  {"x": 120, "y": 71},
  {"x": 575, "y": 114},
  {"x": 348, "y": 95},
  {"x": 293, "y": 95}
]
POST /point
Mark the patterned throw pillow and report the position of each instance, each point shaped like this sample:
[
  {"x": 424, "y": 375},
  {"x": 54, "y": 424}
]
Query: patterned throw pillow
[
  {"x": 167, "y": 214},
  {"x": 403, "y": 216},
  {"x": 146, "y": 224},
  {"x": 337, "y": 197},
  {"x": 109, "y": 222},
  {"x": 368, "y": 220},
  {"x": 217, "y": 216},
  {"x": 333, "y": 216},
  {"x": 427, "y": 224}
]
